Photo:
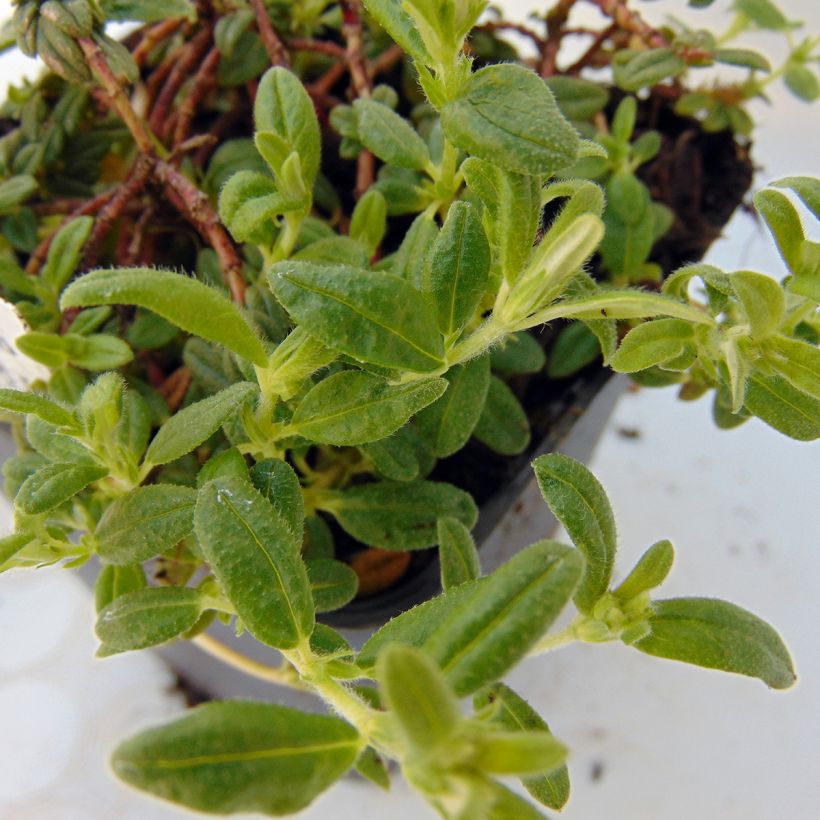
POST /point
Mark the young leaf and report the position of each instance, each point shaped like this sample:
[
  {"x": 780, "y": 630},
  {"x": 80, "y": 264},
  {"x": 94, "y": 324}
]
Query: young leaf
[
  {"x": 239, "y": 756},
  {"x": 194, "y": 424},
  {"x": 652, "y": 343},
  {"x": 518, "y": 752},
  {"x": 398, "y": 516},
  {"x": 578, "y": 99},
  {"x": 650, "y": 571},
  {"x": 457, "y": 553},
  {"x": 797, "y": 362},
  {"x": 635, "y": 70},
  {"x": 185, "y": 302},
  {"x": 11, "y": 544},
  {"x": 354, "y": 407},
  {"x": 332, "y": 584},
  {"x": 390, "y": 137},
  {"x": 718, "y": 635},
  {"x": 503, "y": 425},
  {"x": 373, "y": 316},
  {"x": 782, "y": 406},
  {"x": 762, "y": 299},
  {"x": 785, "y": 226},
  {"x": 400, "y": 26},
  {"x": 145, "y": 523},
  {"x": 368, "y": 222},
  {"x": 410, "y": 260},
  {"x": 226, "y": 462},
  {"x": 277, "y": 482},
  {"x": 16, "y": 401},
  {"x": 254, "y": 558},
  {"x": 420, "y": 698},
  {"x": 579, "y": 502},
  {"x": 394, "y": 457},
  {"x": 372, "y": 766},
  {"x": 807, "y": 188},
  {"x": 512, "y": 207},
  {"x": 147, "y": 617},
  {"x": 448, "y": 423},
  {"x": 515, "y": 714},
  {"x": 284, "y": 108},
  {"x": 456, "y": 277},
  {"x": 53, "y": 484},
  {"x": 507, "y": 115},
  {"x": 478, "y": 642}
]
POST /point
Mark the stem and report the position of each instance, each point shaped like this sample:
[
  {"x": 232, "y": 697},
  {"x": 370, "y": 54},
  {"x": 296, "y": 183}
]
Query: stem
[
  {"x": 270, "y": 39},
  {"x": 566, "y": 636},
  {"x": 281, "y": 675}
]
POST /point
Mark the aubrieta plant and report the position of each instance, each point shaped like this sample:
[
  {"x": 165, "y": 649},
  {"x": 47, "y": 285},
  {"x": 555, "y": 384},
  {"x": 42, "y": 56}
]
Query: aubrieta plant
[{"x": 282, "y": 260}]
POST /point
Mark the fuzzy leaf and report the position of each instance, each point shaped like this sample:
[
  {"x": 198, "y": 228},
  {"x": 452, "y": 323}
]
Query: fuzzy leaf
[
  {"x": 332, "y": 584},
  {"x": 579, "y": 502},
  {"x": 398, "y": 516},
  {"x": 368, "y": 223},
  {"x": 650, "y": 571},
  {"x": 578, "y": 99},
  {"x": 507, "y": 115},
  {"x": 147, "y": 11},
  {"x": 762, "y": 298},
  {"x": 390, "y": 137},
  {"x": 54, "y": 484},
  {"x": 145, "y": 523},
  {"x": 796, "y": 361},
  {"x": 503, "y": 425},
  {"x": 64, "y": 252},
  {"x": 147, "y": 617},
  {"x": 185, "y": 302},
  {"x": 254, "y": 558},
  {"x": 635, "y": 70},
  {"x": 807, "y": 188},
  {"x": 394, "y": 457},
  {"x": 718, "y": 635},
  {"x": 782, "y": 406},
  {"x": 400, "y": 26},
  {"x": 448, "y": 423},
  {"x": 457, "y": 553},
  {"x": 277, "y": 482},
  {"x": 197, "y": 422},
  {"x": 373, "y": 316},
  {"x": 354, "y": 407},
  {"x": 239, "y": 756},
  {"x": 518, "y": 353},
  {"x": 114, "y": 581},
  {"x": 16, "y": 401},
  {"x": 456, "y": 277},
  {"x": 652, "y": 343}
]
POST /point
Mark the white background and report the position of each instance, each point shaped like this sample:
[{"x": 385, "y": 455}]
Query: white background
[{"x": 651, "y": 740}]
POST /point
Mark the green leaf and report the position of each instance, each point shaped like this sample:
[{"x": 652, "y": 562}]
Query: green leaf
[
  {"x": 197, "y": 422},
  {"x": 144, "y": 523},
  {"x": 501, "y": 804},
  {"x": 114, "y": 581},
  {"x": 457, "y": 553},
  {"x": 518, "y": 353},
  {"x": 369, "y": 221},
  {"x": 478, "y": 642},
  {"x": 253, "y": 556},
  {"x": 718, "y": 635},
  {"x": 650, "y": 571},
  {"x": 503, "y": 425},
  {"x": 147, "y": 617},
  {"x": 11, "y": 544},
  {"x": 635, "y": 70},
  {"x": 185, "y": 302},
  {"x": 515, "y": 714},
  {"x": 575, "y": 348},
  {"x": 796, "y": 361},
  {"x": 785, "y": 226},
  {"x": 332, "y": 583},
  {"x": 54, "y": 484},
  {"x": 16, "y": 190},
  {"x": 507, "y": 115},
  {"x": 807, "y": 188},
  {"x": 147, "y": 11},
  {"x": 512, "y": 209},
  {"x": 398, "y": 516},
  {"x": 354, "y": 407},
  {"x": 802, "y": 82},
  {"x": 456, "y": 278},
  {"x": 652, "y": 343},
  {"x": 226, "y": 462},
  {"x": 410, "y": 260},
  {"x": 744, "y": 57},
  {"x": 250, "y": 202},
  {"x": 277, "y": 482},
  {"x": 400, "y": 26},
  {"x": 394, "y": 457},
  {"x": 284, "y": 108},
  {"x": 390, "y": 137},
  {"x": 579, "y": 502},
  {"x": 372, "y": 766},
  {"x": 16, "y": 401},
  {"x": 97, "y": 352},
  {"x": 519, "y": 753},
  {"x": 239, "y": 756},
  {"x": 419, "y": 697},
  {"x": 448, "y": 423},
  {"x": 578, "y": 99},
  {"x": 65, "y": 251},
  {"x": 763, "y": 13},
  {"x": 762, "y": 299},
  {"x": 373, "y": 316},
  {"x": 782, "y": 406}
]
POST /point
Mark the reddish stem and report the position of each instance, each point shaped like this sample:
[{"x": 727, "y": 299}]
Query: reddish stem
[{"x": 270, "y": 39}]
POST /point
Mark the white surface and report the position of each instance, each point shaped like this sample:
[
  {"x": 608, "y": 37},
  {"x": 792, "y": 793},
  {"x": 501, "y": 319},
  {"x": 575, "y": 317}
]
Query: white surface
[{"x": 665, "y": 741}]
